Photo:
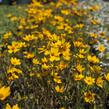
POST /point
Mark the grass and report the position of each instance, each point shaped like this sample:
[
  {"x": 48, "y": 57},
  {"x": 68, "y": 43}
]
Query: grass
[{"x": 5, "y": 23}]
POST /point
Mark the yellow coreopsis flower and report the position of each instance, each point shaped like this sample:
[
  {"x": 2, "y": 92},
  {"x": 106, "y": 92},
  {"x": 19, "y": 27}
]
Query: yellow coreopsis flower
[
  {"x": 13, "y": 69},
  {"x": 82, "y": 51},
  {"x": 93, "y": 59},
  {"x": 45, "y": 66},
  {"x": 99, "y": 82},
  {"x": 13, "y": 18},
  {"x": 65, "y": 12},
  {"x": 44, "y": 60},
  {"x": 54, "y": 58},
  {"x": 95, "y": 68},
  {"x": 93, "y": 35},
  {"x": 76, "y": 12},
  {"x": 13, "y": 73},
  {"x": 22, "y": 44},
  {"x": 78, "y": 77},
  {"x": 62, "y": 108},
  {"x": 89, "y": 80},
  {"x": 4, "y": 92},
  {"x": 35, "y": 61},
  {"x": 59, "y": 89},
  {"x": 15, "y": 61},
  {"x": 15, "y": 47},
  {"x": 102, "y": 34},
  {"x": 59, "y": 18},
  {"x": 80, "y": 56},
  {"x": 66, "y": 55},
  {"x": 29, "y": 38},
  {"x": 13, "y": 107},
  {"x": 107, "y": 76},
  {"x": 57, "y": 79},
  {"x": 101, "y": 48},
  {"x": 38, "y": 4},
  {"x": 94, "y": 8},
  {"x": 7, "y": 35},
  {"x": 78, "y": 44},
  {"x": 80, "y": 26},
  {"x": 8, "y": 106},
  {"x": 28, "y": 55},
  {"x": 95, "y": 22},
  {"x": 79, "y": 68},
  {"x": 16, "y": 44},
  {"x": 12, "y": 49},
  {"x": 89, "y": 97},
  {"x": 54, "y": 54},
  {"x": 62, "y": 65}
]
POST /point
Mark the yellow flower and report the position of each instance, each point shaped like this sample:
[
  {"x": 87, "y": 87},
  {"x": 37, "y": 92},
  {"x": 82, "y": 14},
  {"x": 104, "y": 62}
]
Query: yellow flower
[
  {"x": 59, "y": 18},
  {"x": 28, "y": 55},
  {"x": 80, "y": 26},
  {"x": 38, "y": 4},
  {"x": 82, "y": 51},
  {"x": 13, "y": 18},
  {"x": 62, "y": 65},
  {"x": 80, "y": 68},
  {"x": 95, "y": 68},
  {"x": 21, "y": 44},
  {"x": 45, "y": 66},
  {"x": 15, "y": 61},
  {"x": 89, "y": 97},
  {"x": 7, "y": 35},
  {"x": 81, "y": 56},
  {"x": 57, "y": 78},
  {"x": 9, "y": 15},
  {"x": 8, "y": 106},
  {"x": 101, "y": 48},
  {"x": 89, "y": 80},
  {"x": 15, "y": 47},
  {"x": 78, "y": 44},
  {"x": 4, "y": 92},
  {"x": 66, "y": 55},
  {"x": 16, "y": 44},
  {"x": 94, "y": 8},
  {"x": 107, "y": 76},
  {"x": 93, "y": 35},
  {"x": 102, "y": 34},
  {"x": 62, "y": 108},
  {"x": 59, "y": 89},
  {"x": 13, "y": 107},
  {"x": 12, "y": 49},
  {"x": 65, "y": 12},
  {"x": 13, "y": 73},
  {"x": 29, "y": 38},
  {"x": 44, "y": 60},
  {"x": 54, "y": 54},
  {"x": 93, "y": 59},
  {"x": 35, "y": 61},
  {"x": 78, "y": 77},
  {"x": 13, "y": 69},
  {"x": 54, "y": 58},
  {"x": 99, "y": 82},
  {"x": 94, "y": 22}
]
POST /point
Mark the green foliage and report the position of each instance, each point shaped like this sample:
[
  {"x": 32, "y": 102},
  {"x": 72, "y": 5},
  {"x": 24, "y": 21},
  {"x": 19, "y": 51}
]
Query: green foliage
[{"x": 5, "y": 23}]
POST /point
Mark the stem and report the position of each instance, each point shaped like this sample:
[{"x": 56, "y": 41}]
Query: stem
[
  {"x": 95, "y": 106},
  {"x": 78, "y": 96}
]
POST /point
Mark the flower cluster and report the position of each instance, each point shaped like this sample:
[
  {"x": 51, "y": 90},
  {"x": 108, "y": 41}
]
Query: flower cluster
[{"x": 51, "y": 62}]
